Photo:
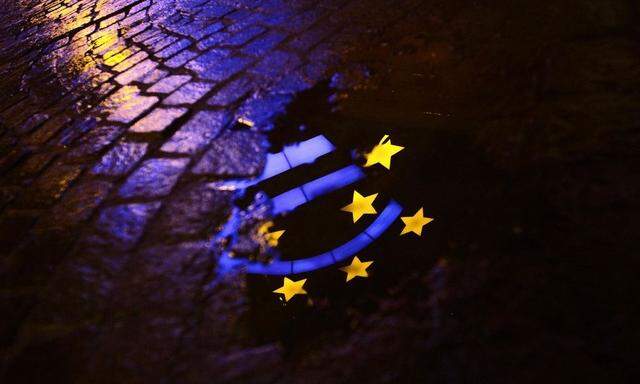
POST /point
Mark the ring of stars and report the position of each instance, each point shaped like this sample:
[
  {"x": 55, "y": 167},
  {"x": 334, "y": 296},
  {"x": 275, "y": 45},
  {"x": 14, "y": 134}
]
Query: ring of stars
[{"x": 359, "y": 206}]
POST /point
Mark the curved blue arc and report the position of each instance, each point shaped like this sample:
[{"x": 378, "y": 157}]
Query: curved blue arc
[
  {"x": 338, "y": 254},
  {"x": 292, "y": 156}
]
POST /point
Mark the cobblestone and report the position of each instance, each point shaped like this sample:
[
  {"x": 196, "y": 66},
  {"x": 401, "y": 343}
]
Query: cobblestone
[
  {"x": 169, "y": 84},
  {"x": 120, "y": 227},
  {"x": 221, "y": 159},
  {"x": 96, "y": 139},
  {"x": 157, "y": 120},
  {"x": 132, "y": 108},
  {"x": 192, "y": 212},
  {"x": 232, "y": 92},
  {"x": 154, "y": 178},
  {"x": 188, "y": 93},
  {"x": 195, "y": 134},
  {"x": 50, "y": 185},
  {"x": 218, "y": 65},
  {"x": 120, "y": 158},
  {"x": 136, "y": 72},
  {"x": 77, "y": 205}
]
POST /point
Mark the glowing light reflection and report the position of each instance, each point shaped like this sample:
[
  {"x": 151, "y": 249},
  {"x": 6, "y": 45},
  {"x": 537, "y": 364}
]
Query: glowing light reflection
[{"x": 291, "y": 156}]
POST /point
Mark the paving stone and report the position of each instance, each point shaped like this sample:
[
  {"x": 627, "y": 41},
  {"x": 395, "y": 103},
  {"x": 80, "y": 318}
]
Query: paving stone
[
  {"x": 307, "y": 40},
  {"x": 188, "y": 93},
  {"x": 263, "y": 44},
  {"x": 231, "y": 93},
  {"x": 95, "y": 140},
  {"x": 214, "y": 40},
  {"x": 160, "y": 43},
  {"x": 137, "y": 27},
  {"x": 19, "y": 112},
  {"x": 48, "y": 130},
  {"x": 218, "y": 65},
  {"x": 276, "y": 64},
  {"x": 76, "y": 206},
  {"x": 31, "y": 166},
  {"x": 136, "y": 72},
  {"x": 221, "y": 159},
  {"x": 243, "y": 36},
  {"x": 153, "y": 76},
  {"x": 111, "y": 20},
  {"x": 150, "y": 33},
  {"x": 154, "y": 178},
  {"x": 169, "y": 84},
  {"x": 261, "y": 108},
  {"x": 180, "y": 58},
  {"x": 194, "y": 210},
  {"x": 315, "y": 71},
  {"x": 139, "y": 7},
  {"x": 121, "y": 226},
  {"x": 171, "y": 282},
  {"x": 215, "y": 10},
  {"x": 301, "y": 21},
  {"x": 195, "y": 134},
  {"x": 173, "y": 48},
  {"x": 132, "y": 108},
  {"x": 32, "y": 122},
  {"x": 200, "y": 30},
  {"x": 123, "y": 65},
  {"x": 293, "y": 82},
  {"x": 157, "y": 120},
  {"x": 119, "y": 97},
  {"x": 188, "y": 255},
  {"x": 120, "y": 159},
  {"x": 50, "y": 185}
]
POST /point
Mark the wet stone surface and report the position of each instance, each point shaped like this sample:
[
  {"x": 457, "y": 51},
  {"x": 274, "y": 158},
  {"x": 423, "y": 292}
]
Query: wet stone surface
[
  {"x": 119, "y": 123},
  {"x": 235, "y": 153}
]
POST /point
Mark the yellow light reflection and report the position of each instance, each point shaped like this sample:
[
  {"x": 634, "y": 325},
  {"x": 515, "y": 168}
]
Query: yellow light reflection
[
  {"x": 88, "y": 48},
  {"x": 269, "y": 238}
]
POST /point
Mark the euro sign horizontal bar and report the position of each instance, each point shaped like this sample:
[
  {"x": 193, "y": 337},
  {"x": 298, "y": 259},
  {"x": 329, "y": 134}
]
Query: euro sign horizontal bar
[
  {"x": 293, "y": 198},
  {"x": 291, "y": 156}
]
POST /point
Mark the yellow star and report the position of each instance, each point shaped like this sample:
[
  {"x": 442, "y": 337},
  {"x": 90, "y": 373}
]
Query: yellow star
[
  {"x": 357, "y": 268},
  {"x": 382, "y": 153},
  {"x": 271, "y": 238},
  {"x": 291, "y": 288},
  {"x": 415, "y": 223},
  {"x": 361, "y": 205}
]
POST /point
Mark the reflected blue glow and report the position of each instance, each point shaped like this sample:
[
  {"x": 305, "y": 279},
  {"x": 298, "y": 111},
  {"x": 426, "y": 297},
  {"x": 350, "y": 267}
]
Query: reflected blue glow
[
  {"x": 308, "y": 151},
  {"x": 351, "y": 247},
  {"x": 384, "y": 219},
  {"x": 291, "y": 156},
  {"x": 275, "y": 165},
  {"x": 293, "y": 198},
  {"x": 338, "y": 254},
  {"x": 333, "y": 181},
  {"x": 312, "y": 263},
  {"x": 288, "y": 201},
  {"x": 277, "y": 267}
]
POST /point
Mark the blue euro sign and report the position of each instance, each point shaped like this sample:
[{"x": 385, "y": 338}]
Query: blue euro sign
[{"x": 292, "y": 156}]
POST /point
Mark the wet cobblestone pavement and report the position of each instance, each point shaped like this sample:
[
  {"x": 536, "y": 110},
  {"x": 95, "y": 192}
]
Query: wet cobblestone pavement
[{"x": 119, "y": 122}]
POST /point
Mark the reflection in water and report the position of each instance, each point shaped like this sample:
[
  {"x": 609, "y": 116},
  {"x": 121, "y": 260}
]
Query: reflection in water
[{"x": 291, "y": 157}]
